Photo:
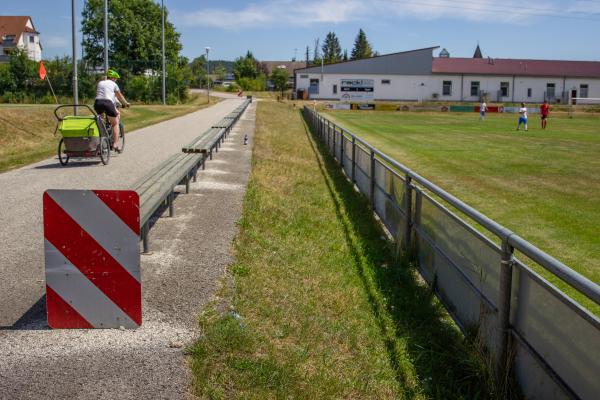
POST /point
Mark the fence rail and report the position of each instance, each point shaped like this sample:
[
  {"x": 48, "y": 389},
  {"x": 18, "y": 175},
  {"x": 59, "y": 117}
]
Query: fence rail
[
  {"x": 531, "y": 328},
  {"x": 157, "y": 187}
]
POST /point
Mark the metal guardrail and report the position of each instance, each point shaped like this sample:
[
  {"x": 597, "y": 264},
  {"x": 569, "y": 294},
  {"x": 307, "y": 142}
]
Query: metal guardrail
[
  {"x": 532, "y": 329},
  {"x": 157, "y": 187}
]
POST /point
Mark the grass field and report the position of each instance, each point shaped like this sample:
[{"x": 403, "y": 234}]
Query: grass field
[
  {"x": 542, "y": 184},
  {"x": 26, "y": 131},
  {"x": 319, "y": 307}
]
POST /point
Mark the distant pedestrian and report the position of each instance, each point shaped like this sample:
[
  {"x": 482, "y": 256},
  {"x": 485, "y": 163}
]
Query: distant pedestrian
[
  {"x": 482, "y": 110},
  {"x": 545, "y": 112},
  {"x": 522, "y": 116}
]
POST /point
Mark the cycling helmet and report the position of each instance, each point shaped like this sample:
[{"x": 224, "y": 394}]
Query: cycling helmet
[{"x": 111, "y": 73}]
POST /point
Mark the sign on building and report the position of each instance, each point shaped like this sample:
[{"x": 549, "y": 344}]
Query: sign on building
[{"x": 357, "y": 89}]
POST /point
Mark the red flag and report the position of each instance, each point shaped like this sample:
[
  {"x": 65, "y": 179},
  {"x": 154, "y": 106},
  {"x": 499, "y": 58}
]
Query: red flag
[{"x": 42, "y": 71}]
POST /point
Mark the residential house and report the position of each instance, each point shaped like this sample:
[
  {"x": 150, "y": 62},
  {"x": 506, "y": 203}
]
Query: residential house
[{"x": 18, "y": 32}]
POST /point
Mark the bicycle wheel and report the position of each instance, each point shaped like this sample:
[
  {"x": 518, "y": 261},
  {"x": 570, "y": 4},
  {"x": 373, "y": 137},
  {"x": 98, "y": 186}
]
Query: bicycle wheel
[
  {"x": 104, "y": 150},
  {"x": 121, "y": 137},
  {"x": 62, "y": 158}
]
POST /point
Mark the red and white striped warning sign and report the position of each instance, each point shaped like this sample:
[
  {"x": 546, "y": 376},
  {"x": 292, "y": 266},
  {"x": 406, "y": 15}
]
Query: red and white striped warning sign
[{"x": 91, "y": 240}]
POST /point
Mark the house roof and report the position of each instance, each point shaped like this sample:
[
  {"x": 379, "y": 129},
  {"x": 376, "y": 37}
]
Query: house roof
[
  {"x": 290, "y": 66},
  {"x": 521, "y": 67},
  {"x": 15, "y": 25},
  {"x": 412, "y": 62}
]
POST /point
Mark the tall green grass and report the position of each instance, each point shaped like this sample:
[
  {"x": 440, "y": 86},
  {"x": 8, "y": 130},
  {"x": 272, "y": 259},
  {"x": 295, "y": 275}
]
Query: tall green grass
[{"x": 320, "y": 308}]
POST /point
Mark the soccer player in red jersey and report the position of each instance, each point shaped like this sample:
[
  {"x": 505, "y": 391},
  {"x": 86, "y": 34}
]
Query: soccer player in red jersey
[{"x": 545, "y": 111}]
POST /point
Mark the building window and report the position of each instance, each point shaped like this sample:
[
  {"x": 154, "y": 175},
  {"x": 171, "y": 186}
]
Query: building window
[
  {"x": 304, "y": 76},
  {"x": 474, "y": 88},
  {"x": 31, "y": 39},
  {"x": 550, "y": 91},
  {"x": 583, "y": 90},
  {"x": 447, "y": 88},
  {"x": 334, "y": 89},
  {"x": 504, "y": 89},
  {"x": 529, "y": 92},
  {"x": 385, "y": 81}
]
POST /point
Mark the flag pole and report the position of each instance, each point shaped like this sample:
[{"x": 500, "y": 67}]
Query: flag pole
[{"x": 51, "y": 89}]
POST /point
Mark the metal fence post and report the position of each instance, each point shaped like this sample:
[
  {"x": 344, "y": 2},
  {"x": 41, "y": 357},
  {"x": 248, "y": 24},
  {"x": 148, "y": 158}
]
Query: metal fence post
[
  {"x": 372, "y": 178},
  {"x": 408, "y": 210},
  {"x": 504, "y": 299},
  {"x": 334, "y": 142},
  {"x": 342, "y": 148},
  {"x": 353, "y": 159}
]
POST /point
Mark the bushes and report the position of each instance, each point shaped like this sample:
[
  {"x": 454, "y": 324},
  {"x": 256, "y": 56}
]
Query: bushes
[
  {"x": 20, "y": 83},
  {"x": 257, "y": 84}
]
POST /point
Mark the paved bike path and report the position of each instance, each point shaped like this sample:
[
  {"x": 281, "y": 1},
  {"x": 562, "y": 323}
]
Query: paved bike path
[{"x": 191, "y": 252}]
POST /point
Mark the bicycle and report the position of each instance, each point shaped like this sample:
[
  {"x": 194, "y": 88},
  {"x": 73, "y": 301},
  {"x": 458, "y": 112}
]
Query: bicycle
[{"x": 109, "y": 132}]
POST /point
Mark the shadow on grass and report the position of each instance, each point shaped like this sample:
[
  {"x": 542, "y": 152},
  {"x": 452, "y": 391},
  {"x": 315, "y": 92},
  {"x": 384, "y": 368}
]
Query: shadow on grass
[{"x": 448, "y": 365}]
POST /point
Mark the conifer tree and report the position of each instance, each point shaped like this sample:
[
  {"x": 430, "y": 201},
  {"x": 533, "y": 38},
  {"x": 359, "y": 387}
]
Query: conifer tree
[
  {"x": 332, "y": 51},
  {"x": 362, "y": 47}
]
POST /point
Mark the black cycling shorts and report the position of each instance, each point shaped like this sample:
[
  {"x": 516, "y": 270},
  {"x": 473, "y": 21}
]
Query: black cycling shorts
[{"x": 105, "y": 106}]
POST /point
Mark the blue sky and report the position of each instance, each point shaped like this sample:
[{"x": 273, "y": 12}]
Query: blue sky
[{"x": 273, "y": 29}]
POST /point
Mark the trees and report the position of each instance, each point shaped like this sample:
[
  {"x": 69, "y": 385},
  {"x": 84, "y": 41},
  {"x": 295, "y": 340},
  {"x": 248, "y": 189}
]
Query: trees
[
  {"x": 245, "y": 67},
  {"x": 221, "y": 72},
  {"x": 332, "y": 51},
  {"x": 279, "y": 78},
  {"x": 134, "y": 35},
  {"x": 362, "y": 47}
]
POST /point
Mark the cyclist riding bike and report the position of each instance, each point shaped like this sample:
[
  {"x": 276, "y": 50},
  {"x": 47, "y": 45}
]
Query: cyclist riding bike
[{"x": 107, "y": 93}]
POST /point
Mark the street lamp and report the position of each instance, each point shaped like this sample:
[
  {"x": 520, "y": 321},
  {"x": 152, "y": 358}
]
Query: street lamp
[
  {"x": 74, "y": 41},
  {"x": 207, "y": 75},
  {"x": 164, "y": 85}
]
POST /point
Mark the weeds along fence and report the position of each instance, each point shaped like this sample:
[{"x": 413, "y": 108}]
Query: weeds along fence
[{"x": 531, "y": 329}]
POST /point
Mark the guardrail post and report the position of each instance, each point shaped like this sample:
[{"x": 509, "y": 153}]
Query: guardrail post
[
  {"x": 171, "y": 205},
  {"x": 408, "y": 210},
  {"x": 504, "y": 299},
  {"x": 187, "y": 183},
  {"x": 145, "y": 239},
  {"x": 372, "y": 178},
  {"x": 353, "y": 159}
]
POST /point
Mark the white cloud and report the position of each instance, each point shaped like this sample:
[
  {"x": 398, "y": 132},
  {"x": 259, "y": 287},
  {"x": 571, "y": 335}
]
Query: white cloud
[
  {"x": 54, "y": 42},
  {"x": 311, "y": 12}
]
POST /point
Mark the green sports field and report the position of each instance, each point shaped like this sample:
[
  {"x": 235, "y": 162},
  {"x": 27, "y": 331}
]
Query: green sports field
[{"x": 542, "y": 184}]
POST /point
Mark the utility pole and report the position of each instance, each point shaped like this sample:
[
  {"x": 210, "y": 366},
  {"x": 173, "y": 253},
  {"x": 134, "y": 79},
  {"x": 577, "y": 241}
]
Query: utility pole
[
  {"x": 73, "y": 33},
  {"x": 207, "y": 75},
  {"x": 164, "y": 65},
  {"x": 105, "y": 36}
]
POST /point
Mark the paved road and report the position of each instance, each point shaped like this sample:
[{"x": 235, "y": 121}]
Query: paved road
[{"x": 191, "y": 252}]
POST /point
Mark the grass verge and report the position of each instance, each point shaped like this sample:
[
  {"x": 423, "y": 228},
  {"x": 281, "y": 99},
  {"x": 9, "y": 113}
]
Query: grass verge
[
  {"x": 26, "y": 131},
  {"x": 321, "y": 308}
]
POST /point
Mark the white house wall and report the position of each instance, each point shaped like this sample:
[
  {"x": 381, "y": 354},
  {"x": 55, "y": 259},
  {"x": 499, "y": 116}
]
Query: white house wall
[{"x": 429, "y": 87}]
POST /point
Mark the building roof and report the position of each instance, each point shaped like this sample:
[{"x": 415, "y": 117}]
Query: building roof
[
  {"x": 500, "y": 66},
  {"x": 290, "y": 66},
  {"x": 413, "y": 62},
  {"x": 15, "y": 25}
]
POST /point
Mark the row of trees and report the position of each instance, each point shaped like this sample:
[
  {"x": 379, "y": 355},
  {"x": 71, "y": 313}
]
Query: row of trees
[{"x": 331, "y": 51}]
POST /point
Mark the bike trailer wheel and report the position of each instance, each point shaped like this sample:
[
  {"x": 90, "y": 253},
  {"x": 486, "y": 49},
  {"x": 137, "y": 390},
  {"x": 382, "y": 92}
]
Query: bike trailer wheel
[
  {"x": 62, "y": 157},
  {"x": 104, "y": 150}
]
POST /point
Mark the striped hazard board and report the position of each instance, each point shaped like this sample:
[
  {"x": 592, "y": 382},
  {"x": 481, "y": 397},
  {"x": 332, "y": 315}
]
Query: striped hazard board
[{"x": 92, "y": 257}]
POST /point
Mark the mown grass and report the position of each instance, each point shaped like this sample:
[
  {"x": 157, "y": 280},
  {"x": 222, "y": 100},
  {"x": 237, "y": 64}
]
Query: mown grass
[
  {"x": 542, "y": 184},
  {"x": 27, "y": 131},
  {"x": 320, "y": 308}
]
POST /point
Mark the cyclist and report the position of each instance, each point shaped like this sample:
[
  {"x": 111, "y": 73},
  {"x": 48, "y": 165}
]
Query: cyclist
[{"x": 107, "y": 93}]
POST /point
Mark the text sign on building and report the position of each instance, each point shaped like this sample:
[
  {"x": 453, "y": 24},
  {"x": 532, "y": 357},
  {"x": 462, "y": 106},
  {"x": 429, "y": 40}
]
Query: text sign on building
[{"x": 357, "y": 89}]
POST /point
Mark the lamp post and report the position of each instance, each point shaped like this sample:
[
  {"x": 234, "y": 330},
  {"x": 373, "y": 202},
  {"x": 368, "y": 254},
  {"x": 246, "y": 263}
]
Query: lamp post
[
  {"x": 73, "y": 38},
  {"x": 106, "y": 36},
  {"x": 164, "y": 84},
  {"x": 207, "y": 75}
]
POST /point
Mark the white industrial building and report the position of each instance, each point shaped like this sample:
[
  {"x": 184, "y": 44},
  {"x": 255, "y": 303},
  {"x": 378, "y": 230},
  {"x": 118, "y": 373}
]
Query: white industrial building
[
  {"x": 419, "y": 76},
  {"x": 18, "y": 32}
]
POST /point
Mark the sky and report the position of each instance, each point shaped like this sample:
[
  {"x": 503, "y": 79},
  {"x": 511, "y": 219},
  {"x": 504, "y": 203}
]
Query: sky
[{"x": 282, "y": 29}]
